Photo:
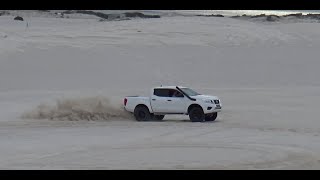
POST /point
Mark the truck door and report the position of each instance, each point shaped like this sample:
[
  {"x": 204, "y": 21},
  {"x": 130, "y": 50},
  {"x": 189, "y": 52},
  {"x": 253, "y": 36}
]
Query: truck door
[
  {"x": 176, "y": 102},
  {"x": 159, "y": 100}
]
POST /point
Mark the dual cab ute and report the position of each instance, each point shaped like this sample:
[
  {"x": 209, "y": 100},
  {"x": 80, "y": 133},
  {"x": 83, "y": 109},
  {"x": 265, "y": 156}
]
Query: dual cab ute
[{"x": 166, "y": 100}]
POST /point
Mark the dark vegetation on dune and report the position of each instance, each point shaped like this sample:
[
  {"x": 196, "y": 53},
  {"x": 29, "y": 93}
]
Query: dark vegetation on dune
[
  {"x": 18, "y": 18},
  {"x": 103, "y": 16},
  {"x": 112, "y": 16},
  {"x": 212, "y": 15},
  {"x": 129, "y": 15},
  {"x": 272, "y": 17}
]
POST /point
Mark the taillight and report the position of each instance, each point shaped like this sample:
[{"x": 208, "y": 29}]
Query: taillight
[{"x": 125, "y": 101}]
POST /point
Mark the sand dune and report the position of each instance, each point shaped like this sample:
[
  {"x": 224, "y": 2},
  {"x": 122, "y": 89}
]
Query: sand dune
[{"x": 62, "y": 83}]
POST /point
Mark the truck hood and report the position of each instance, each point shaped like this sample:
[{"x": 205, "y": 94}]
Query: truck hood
[{"x": 204, "y": 97}]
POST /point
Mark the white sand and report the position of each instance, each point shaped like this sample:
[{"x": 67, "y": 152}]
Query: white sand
[{"x": 267, "y": 75}]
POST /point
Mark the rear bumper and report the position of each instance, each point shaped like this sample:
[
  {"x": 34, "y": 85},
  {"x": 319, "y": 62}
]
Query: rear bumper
[{"x": 126, "y": 109}]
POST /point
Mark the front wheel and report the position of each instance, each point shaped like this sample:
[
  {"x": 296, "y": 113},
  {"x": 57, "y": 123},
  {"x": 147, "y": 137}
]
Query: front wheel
[
  {"x": 211, "y": 116},
  {"x": 196, "y": 114}
]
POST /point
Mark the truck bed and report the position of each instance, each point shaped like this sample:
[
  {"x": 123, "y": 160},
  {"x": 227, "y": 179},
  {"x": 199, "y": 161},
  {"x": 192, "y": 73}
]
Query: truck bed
[{"x": 133, "y": 101}]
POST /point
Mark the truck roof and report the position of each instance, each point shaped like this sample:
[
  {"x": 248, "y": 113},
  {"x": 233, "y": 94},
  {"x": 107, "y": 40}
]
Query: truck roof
[{"x": 168, "y": 87}]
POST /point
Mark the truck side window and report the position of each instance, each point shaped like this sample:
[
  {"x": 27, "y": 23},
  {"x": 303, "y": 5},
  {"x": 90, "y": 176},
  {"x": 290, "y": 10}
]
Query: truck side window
[
  {"x": 161, "y": 92},
  {"x": 177, "y": 94}
]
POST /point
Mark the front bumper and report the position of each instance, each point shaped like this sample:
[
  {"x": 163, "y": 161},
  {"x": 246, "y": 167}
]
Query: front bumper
[{"x": 212, "y": 108}]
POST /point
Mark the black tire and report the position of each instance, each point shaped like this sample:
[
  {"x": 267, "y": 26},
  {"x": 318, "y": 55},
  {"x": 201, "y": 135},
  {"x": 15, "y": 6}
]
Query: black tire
[
  {"x": 141, "y": 113},
  {"x": 211, "y": 116},
  {"x": 196, "y": 114},
  {"x": 158, "y": 117}
]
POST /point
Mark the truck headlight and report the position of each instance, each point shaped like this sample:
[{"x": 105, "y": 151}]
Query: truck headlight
[{"x": 208, "y": 101}]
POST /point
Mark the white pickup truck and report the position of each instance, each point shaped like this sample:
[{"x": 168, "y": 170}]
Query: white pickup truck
[{"x": 173, "y": 100}]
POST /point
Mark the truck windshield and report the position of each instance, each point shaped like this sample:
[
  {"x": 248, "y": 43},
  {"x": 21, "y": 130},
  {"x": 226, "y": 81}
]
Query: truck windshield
[{"x": 189, "y": 92}]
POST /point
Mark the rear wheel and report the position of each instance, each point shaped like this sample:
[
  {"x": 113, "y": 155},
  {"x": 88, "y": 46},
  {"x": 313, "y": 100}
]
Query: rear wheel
[
  {"x": 141, "y": 113},
  {"x": 196, "y": 114},
  {"x": 158, "y": 117},
  {"x": 211, "y": 116}
]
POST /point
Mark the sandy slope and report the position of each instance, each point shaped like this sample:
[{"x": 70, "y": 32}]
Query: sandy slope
[{"x": 265, "y": 73}]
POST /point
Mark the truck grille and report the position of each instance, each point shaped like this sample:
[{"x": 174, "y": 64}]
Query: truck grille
[{"x": 216, "y": 101}]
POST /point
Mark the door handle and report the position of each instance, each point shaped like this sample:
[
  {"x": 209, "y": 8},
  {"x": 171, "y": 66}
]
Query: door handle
[
  {"x": 169, "y": 100},
  {"x": 153, "y": 99}
]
